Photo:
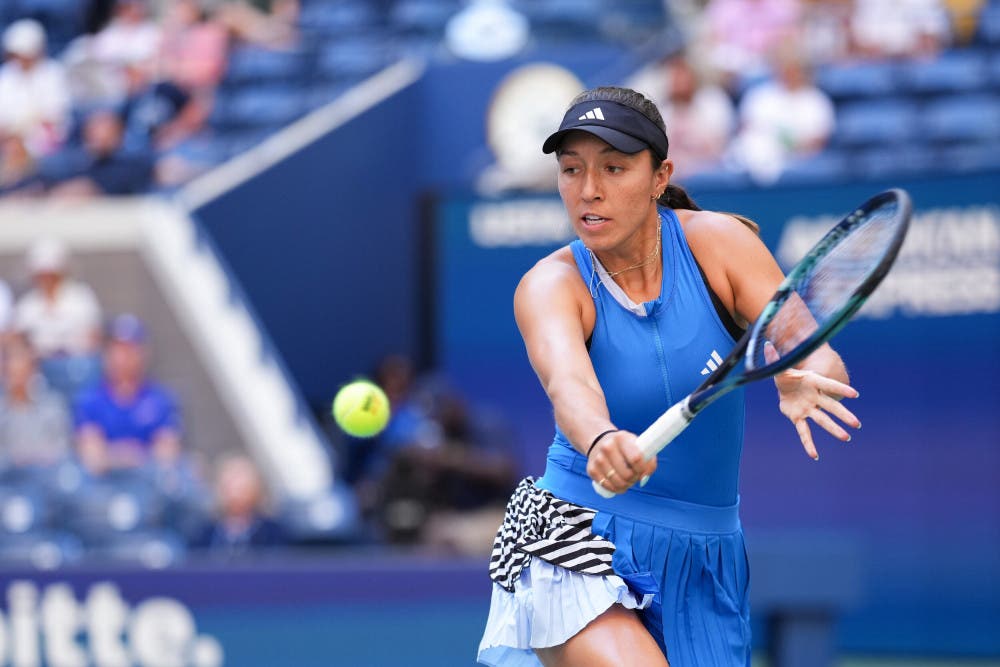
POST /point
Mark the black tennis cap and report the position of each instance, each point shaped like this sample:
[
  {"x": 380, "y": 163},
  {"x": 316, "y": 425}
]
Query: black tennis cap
[{"x": 624, "y": 128}]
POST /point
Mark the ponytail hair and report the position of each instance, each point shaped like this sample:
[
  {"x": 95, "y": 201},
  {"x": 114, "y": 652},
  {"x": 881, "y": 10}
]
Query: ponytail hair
[{"x": 677, "y": 197}]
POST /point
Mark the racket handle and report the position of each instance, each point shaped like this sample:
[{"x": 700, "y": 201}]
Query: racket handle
[
  {"x": 663, "y": 431},
  {"x": 659, "y": 434}
]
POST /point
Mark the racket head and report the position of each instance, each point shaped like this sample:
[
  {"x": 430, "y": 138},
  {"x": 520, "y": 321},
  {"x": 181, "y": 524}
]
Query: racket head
[{"x": 829, "y": 284}]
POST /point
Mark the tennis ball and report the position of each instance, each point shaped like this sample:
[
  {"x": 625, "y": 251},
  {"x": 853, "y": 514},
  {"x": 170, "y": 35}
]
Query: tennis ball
[{"x": 361, "y": 408}]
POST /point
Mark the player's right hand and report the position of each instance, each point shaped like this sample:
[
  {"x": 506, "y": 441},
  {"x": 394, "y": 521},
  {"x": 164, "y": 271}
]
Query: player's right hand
[{"x": 616, "y": 463}]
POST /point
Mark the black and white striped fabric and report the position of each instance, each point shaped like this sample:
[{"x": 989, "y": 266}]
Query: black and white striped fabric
[{"x": 539, "y": 524}]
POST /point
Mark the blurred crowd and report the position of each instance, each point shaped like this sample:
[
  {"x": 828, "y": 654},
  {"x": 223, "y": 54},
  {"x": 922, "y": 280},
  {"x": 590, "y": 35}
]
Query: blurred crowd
[
  {"x": 123, "y": 106},
  {"x": 94, "y": 456},
  {"x": 124, "y": 96},
  {"x": 742, "y": 96},
  {"x": 748, "y": 99},
  {"x": 95, "y": 460}
]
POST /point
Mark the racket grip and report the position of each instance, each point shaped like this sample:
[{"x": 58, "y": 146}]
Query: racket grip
[
  {"x": 659, "y": 434},
  {"x": 663, "y": 431}
]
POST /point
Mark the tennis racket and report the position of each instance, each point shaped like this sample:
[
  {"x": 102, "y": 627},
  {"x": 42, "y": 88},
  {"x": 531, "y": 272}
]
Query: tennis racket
[{"x": 814, "y": 302}]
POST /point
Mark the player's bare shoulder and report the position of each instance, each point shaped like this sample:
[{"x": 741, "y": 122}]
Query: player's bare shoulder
[
  {"x": 719, "y": 239},
  {"x": 554, "y": 272},
  {"x": 708, "y": 226},
  {"x": 552, "y": 284}
]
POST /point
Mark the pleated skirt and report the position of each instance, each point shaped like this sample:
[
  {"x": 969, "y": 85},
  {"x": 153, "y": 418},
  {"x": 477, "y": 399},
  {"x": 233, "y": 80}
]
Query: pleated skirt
[{"x": 682, "y": 567}]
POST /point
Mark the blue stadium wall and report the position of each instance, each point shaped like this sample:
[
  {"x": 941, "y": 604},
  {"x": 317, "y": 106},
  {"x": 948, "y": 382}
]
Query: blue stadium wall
[{"x": 329, "y": 247}]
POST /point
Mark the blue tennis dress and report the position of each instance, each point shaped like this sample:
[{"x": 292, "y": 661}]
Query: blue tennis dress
[{"x": 673, "y": 550}]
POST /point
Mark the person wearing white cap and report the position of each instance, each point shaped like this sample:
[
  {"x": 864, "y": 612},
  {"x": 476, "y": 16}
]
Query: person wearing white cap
[
  {"x": 61, "y": 318},
  {"x": 33, "y": 88}
]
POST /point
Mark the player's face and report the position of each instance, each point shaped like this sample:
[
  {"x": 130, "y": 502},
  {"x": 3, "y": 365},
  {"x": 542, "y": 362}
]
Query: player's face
[{"x": 608, "y": 194}]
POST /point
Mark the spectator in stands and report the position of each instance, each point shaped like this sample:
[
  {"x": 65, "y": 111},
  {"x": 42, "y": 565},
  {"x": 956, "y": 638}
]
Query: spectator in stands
[
  {"x": 6, "y": 310},
  {"x": 194, "y": 50},
  {"x": 783, "y": 118},
  {"x": 131, "y": 38},
  {"x": 34, "y": 421},
  {"x": 158, "y": 115},
  {"x": 268, "y": 23},
  {"x": 824, "y": 32},
  {"x": 365, "y": 463},
  {"x": 742, "y": 34},
  {"x": 103, "y": 166},
  {"x": 700, "y": 117},
  {"x": 964, "y": 19},
  {"x": 449, "y": 496},
  {"x": 61, "y": 318},
  {"x": 128, "y": 420},
  {"x": 96, "y": 62},
  {"x": 899, "y": 28},
  {"x": 17, "y": 165},
  {"x": 34, "y": 94},
  {"x": 242, "y": 524}
]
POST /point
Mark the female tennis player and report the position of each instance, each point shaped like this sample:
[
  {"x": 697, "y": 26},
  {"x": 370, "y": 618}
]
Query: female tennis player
[{"x": 619, "y": 325}]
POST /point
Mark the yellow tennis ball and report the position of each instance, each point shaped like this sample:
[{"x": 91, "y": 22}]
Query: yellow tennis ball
[{"x": 361, "y": 408}]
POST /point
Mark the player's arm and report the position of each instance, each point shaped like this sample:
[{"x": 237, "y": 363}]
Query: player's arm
[
  {"x": 548, "y": 307},
  {"x": 745, "y": 276}
]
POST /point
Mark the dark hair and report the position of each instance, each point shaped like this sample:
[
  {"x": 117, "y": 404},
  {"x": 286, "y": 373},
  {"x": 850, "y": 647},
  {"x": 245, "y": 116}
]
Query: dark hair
[{"x": 674, "y": 196}]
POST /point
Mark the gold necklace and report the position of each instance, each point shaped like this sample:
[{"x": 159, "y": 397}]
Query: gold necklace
[{"x": 649, "y": 260}]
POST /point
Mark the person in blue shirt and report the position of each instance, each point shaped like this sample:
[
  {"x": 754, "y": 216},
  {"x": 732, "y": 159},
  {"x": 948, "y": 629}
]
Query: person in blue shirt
[
  {"x": 127, "y": 420},
  {"x": 618, "y": 326}
]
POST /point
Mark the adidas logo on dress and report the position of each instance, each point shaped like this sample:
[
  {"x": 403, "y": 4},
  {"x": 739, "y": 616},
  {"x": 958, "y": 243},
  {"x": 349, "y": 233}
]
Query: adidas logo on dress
[
  {"x": 712, "y": 363},
  {"x": 593, "y": 114}
]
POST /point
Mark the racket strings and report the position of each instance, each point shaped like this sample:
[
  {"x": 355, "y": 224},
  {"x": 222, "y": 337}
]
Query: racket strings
[{"x": 834, "y": 278}]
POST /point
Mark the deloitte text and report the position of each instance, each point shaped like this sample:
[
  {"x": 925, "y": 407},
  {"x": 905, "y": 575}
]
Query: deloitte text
[{"x": 50, "y": 628}]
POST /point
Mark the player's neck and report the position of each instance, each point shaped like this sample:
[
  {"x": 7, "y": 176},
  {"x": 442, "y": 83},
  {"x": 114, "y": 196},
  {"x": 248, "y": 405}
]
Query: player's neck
[{"x": 638, "y": 265}]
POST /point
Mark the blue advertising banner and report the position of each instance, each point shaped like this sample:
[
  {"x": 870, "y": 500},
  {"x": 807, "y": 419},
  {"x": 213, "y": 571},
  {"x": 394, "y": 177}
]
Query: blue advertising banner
[
  {"x": 339, "y": 612},
  {"x": 917, "y": 486}
]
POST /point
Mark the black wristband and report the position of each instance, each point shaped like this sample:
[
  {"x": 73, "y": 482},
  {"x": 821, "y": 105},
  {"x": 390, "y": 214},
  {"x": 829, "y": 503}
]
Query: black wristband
[{"x": 598, "y": 439}]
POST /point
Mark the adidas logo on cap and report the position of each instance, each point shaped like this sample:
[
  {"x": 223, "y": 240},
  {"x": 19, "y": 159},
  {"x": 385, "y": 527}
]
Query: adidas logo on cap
[{"x": 593, "y": 114}]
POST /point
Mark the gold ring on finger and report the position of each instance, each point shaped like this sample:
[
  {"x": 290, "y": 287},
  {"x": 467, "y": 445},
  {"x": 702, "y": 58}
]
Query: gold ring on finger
[{"x": 611, "y": 473}]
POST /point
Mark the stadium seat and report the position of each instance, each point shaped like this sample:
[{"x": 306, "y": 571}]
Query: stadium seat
[
  {"x": 272, "y": 106},
  {"x": 897, "y": 160},
  {"x": 153, "y": 549},
  {"x": 352, "y": 59},
  {"x": 23, "y": 509},
  {"x": 970, "y": 156},
  {"x": 861, "y": 79},
  {"x": 120, "y": 502},
  {"x": 963, "y": 118},
  {"x": 717, "y": 179},
  {"x": 46, "y": 550},
  {"x": 994, "y": 69},
  {"x": 559, "y": 19},
  {"x": 330, "y": 517},
  {"x": 250, "y": 64},
  {"x": 341, "y": 18},
  {"x": 829, "y": 166},
  {"x": 956, "y": 71},
  {"x": 875, "y": 122},
  {"x": 424, "y": 17},
  {"x": 989, "y": 24}
]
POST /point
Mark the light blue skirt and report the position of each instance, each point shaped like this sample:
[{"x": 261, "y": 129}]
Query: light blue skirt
[{"x": 683, "y": 567}]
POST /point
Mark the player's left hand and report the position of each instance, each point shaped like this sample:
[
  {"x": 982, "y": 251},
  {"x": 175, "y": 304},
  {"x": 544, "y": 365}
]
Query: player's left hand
[{"x": 805, "y": 395}]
